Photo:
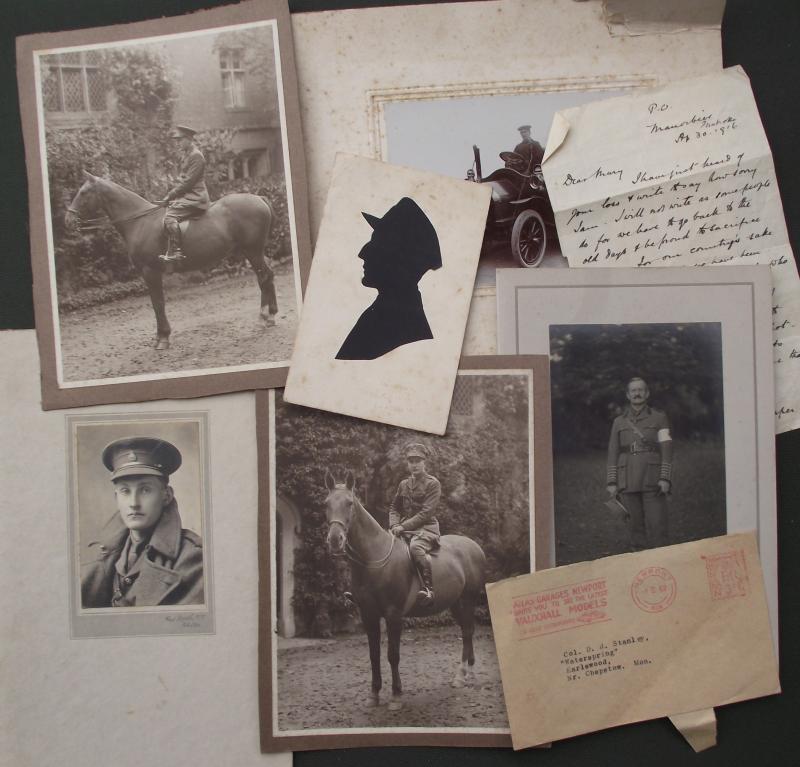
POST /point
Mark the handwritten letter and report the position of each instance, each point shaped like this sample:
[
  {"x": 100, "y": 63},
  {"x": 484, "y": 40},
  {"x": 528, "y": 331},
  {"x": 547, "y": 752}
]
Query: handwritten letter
[{"x": 679, "y": 176}]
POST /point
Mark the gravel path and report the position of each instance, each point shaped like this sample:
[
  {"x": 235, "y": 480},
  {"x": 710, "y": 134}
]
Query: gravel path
[
  {"x": 215, "y": 324},
  {"x": 328, "y": 685}
]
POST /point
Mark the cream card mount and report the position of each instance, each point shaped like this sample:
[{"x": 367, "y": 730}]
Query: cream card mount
[
  {"x": 699, "y": 340},
  {"x": 388, "y": 296}
]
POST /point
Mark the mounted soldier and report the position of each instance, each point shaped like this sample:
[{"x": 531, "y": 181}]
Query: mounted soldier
[
  {"x": 412, "y": 515},
  {"x": 189, "y": 196}
]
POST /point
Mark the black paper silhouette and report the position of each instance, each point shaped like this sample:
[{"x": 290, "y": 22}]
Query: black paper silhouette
[{"x": 402, "y": 248}]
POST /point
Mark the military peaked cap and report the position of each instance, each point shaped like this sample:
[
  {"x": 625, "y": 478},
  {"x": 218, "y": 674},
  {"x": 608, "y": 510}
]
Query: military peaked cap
[
  {"x": 411, "y": 231},
  {"x": 179, "y": 131},
  {"x": 134, "y": 456},
  {"x": 416, "y": 450},
  {"x": 523, "y": 127}
]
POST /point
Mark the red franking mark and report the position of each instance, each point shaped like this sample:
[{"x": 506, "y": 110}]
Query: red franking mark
[
  {"x": 654, "y": 589},
  {"x": 561, "y": 608},
  {"x": 727, "y": 575}
]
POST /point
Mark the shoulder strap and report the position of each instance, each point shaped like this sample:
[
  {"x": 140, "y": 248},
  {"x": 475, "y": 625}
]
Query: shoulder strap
[{"x": 636, "y": 430}]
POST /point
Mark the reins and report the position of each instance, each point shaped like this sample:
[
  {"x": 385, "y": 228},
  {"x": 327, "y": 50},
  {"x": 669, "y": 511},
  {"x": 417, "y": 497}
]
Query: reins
[
  {"x": 94, "y": 223},
  {"x": 375, "y": 564}
]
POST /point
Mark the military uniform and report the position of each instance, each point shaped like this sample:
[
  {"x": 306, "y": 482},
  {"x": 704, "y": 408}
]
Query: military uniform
[
  {"x": 414, "y": 509},
  {"x": 162, "y": 564},
  {"x": 188, "y": 197},
  {"x": 639, "y": 455},
  {"x": 167, "y": 571},
  {"x": 529, "y": 149}
]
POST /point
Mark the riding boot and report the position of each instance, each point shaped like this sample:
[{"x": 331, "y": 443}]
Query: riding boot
[
  {"x": 425, "y": 594},
  {"x": 174, "y": 252}
]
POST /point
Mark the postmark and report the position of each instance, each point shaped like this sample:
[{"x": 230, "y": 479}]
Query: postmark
[
  {"x": 653, "y": 589},
  {"x": 561, "y": 608},
  {"x": 727, "y": 575}
]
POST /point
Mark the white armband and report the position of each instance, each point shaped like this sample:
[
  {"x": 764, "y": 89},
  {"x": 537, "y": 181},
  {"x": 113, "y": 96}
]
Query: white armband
[{"x": 664, "y": 435}]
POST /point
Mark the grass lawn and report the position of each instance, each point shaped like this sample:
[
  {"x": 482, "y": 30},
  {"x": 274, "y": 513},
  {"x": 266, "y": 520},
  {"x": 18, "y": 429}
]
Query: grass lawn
[{"x": 586, "y": 529}]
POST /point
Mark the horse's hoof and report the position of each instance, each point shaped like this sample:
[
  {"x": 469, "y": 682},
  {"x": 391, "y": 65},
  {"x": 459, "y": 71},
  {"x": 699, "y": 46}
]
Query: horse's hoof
[
  {"x": 162, "y": 343},
  {"x": 269, "y": 319},
  {"x": 395, "y": 705},
  {"x": 374, "y": 701},
  {"x": 458, "y": 682}
]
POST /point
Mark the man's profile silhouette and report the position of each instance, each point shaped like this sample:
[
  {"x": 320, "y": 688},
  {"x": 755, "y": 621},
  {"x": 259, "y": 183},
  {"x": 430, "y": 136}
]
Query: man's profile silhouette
[{"x": 403, "y": 246}]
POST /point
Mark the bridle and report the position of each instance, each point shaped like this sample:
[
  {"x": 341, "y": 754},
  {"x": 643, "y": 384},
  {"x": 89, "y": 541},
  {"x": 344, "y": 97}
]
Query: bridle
[
  {"x": 375, "y": 564},
  {"x": 89, "y": 224}
]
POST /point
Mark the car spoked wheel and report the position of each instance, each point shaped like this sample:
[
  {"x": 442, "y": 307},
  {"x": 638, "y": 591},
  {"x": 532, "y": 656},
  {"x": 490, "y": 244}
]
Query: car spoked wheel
[{"x": 529, "y": 238}]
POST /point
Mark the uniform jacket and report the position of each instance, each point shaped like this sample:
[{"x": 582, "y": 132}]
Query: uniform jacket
[
  {"x": 636, "y": 464},
  {"x": 531, "y": 150},
  {"x": 414, "y": 505},
  {"x": 170, "y": 569},
  {"x": 190, "y": 191}
]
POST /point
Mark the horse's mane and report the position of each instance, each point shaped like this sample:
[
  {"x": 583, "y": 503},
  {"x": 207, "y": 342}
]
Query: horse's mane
[{"x": 107, "y": 182}]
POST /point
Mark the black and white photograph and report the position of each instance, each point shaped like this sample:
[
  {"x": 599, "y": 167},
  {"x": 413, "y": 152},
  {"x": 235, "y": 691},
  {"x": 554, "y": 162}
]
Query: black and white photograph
[
  {"x": 382, "y": 541},
  {"x": 662, "y": 403},
  {"x": 173, "y": 231},
  {"x": 139, "y": 524},
  {"x": 638, "y": 437},
  {"x": 499, "y": 141}
]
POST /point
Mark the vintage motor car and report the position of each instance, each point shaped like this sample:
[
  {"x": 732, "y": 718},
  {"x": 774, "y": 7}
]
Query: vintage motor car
[{"x": 520, "y": 210}]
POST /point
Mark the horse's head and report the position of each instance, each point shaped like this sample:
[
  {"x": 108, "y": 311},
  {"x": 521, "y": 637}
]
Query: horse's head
[
  {"x": 86, "y": 209},
  {"x": 339, "y": 510}
]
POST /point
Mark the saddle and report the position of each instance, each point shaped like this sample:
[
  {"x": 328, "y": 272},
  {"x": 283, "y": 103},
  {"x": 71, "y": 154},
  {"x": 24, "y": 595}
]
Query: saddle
[{"x": 409, "y": 534}]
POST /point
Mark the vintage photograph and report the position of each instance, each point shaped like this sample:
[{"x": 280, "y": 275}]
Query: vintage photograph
[
  {"x": 174, "y": 220},
  {"x": 382, "y": 540},
  {"x": 663, "y": 402},
  {"x": 638, "y": 436},
  {"x": 139, "y": 523},
  {"x": 497, "y": 140}
]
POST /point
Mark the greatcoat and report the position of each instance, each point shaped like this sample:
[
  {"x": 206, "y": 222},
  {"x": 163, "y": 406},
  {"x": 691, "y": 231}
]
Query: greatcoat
[{"x": 169, "y": 570}]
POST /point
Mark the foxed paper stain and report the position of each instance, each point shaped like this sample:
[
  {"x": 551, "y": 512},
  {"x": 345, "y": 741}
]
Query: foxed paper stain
[{"x": 679, "y": 176}]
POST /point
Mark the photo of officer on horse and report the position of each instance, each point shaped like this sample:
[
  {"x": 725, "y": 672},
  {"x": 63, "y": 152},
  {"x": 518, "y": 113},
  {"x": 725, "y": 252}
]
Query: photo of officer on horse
[
  {"x": 388, "y": 535},
  {"x": 172, "y": 175}
]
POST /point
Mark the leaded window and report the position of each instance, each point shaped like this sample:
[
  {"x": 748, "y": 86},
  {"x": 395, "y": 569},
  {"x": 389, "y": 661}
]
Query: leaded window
[
  {"x": 231, "y": 63},
  {"x": 73, "y": 82}
]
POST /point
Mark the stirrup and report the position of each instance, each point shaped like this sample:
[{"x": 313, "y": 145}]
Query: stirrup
[
  {"x": 176, "y": 255},
  {"x": 425, "y": 595}
]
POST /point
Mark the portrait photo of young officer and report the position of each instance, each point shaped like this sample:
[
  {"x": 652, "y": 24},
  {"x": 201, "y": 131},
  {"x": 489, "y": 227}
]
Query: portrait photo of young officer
[{"x": 143, "y": 556}]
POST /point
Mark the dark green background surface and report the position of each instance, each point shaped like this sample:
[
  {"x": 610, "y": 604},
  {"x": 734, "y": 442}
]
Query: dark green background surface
[{"x": 764, "y": 37}]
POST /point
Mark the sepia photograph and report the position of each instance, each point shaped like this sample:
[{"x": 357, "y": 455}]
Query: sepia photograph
[
  {"x": 497, "y": 140},
  {"x": 638, "y": 436},
  {"x": 382, "y": 540},
  {"x": 173, "y": 216},
  {"x": 139, "y": 524}
]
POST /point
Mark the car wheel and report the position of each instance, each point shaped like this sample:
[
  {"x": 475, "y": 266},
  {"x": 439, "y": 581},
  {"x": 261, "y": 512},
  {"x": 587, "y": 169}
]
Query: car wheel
[{"x": 529, "y": 238}]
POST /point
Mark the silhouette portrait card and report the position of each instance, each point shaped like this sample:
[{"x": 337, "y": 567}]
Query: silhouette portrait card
[
  {"x": 700, "y": 342},
  {"x": 168, "y": 208},
  {"x": 388, "y": 296},
  {"x": 328, "y": 487}
]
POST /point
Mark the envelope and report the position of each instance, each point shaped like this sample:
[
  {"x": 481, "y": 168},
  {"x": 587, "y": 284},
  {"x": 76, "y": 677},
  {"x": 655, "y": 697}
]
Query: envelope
[{"x": 637, "y": 636}]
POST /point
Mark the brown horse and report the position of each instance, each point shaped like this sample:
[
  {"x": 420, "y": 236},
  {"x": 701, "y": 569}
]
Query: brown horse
[
  {"x": 237, "y": 224},
  {"x": 385, "y": 582}
]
